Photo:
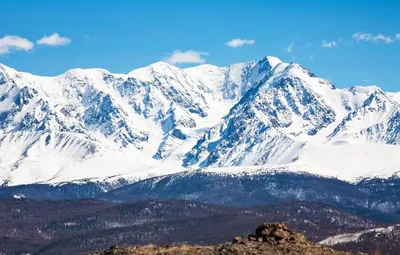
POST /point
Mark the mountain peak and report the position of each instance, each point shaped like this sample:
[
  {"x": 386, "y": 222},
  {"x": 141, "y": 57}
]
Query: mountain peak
[
  {"x": 147, "y": 73},
  {"x": 273, "y": 61},
  {"x": 378, "y": 97},
  {"x": 162, "y": 64},
  {"x": 363, "y": 89},
  {"x": 205, "y": 66},
  {"x": 269, "y": 62},
  {"x": 85, "y": 72}
]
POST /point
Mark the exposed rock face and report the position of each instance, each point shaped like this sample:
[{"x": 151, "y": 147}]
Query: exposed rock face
[{"x": 269, "y": 239}]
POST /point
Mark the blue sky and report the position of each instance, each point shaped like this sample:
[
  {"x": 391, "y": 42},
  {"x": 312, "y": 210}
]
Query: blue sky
[{"x": 348, "y": 42}]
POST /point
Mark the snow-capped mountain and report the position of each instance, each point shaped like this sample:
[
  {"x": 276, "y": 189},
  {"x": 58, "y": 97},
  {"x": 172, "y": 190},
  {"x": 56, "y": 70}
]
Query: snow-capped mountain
[
  {"x": 159, "y": 119},
  {"x": 291, "y": 113}
]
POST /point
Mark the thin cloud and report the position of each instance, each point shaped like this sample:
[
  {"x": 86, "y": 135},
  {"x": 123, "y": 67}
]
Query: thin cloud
[
  {"x": 289, "y": 48},
  {"x": 326, "y": 44},
  {"x": 186, "y": 57},
  {"x": 311, "y": 57},
  {"x": 88, "y": 38},
  {"x": 12, "y": 42},
  {"x": 54, "y": 40},
  {"x": 234, "y": 43},
  {"x": 381, "y": 37},
  {"x": 367, "y": 37},
  {"x": 398, "y": 36}
]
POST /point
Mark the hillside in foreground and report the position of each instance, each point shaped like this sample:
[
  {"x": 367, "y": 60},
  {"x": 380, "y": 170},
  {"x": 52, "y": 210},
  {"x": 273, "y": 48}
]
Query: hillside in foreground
[{"x": 271, "y": 239}]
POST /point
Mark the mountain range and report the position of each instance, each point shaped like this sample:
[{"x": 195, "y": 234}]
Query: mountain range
[{"x": 257, "y": 116}]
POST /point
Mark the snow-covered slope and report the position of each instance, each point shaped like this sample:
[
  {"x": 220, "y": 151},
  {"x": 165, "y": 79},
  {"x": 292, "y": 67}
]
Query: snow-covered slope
[
  {"x": 159, "y": 119},
  {"x": 353, "y": 237}
]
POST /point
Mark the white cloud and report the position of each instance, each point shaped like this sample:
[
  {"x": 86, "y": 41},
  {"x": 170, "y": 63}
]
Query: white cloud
[
  {"x": 381, "y": 37},
  {"x": 186, "y": 57},
  {"x": 290, "y": 47},
  {"x": 54, "y": 40},
  {"x": 234, "y": 43},
  {"x": 326, "y": 44},
  {"x": 13, "y": 42},
  {"x": 398, "y": 36},
  {"x": 362, "y": 37},
  {"x": 372, "y": 38}
]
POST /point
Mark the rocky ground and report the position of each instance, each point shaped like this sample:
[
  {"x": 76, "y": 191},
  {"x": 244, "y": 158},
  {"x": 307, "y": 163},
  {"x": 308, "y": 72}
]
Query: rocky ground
[{"x": 268, "y": 239}]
